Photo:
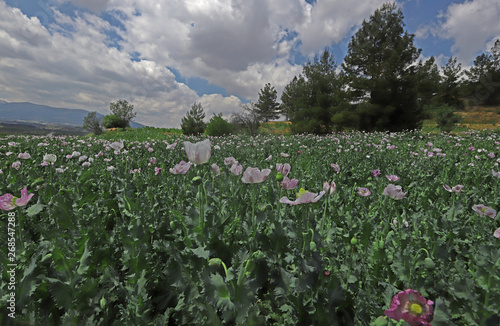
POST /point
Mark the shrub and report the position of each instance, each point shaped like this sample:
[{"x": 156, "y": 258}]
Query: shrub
[
  {"x": 192, "y": 123},
  {"x": 114, "y": 121},
  {"x": 217, "y": 126},
  {"x": 446, "y": 118},
  {"x": 92, "y": 123}
]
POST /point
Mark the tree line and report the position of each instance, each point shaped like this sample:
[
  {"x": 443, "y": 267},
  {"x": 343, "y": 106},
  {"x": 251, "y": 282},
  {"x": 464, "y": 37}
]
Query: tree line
[{"x": 380, "y": 86}]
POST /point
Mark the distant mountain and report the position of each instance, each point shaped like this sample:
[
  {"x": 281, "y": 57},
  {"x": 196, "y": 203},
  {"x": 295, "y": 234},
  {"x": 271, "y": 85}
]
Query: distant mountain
[{"x": 27, "y": 112}]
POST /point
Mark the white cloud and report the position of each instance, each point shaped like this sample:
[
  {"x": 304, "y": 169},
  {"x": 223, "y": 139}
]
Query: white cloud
[
  {"x": 48, "y": 66},
  {"x": 471, "y": 25}
]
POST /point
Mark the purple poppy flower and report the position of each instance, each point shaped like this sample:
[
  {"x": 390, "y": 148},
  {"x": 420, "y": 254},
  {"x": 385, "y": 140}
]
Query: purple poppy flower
[
  {"x": 216, "y": 169},
  {"x": 394, "y": 192},
  {"x": 283, "y": 169},
  {"x": 254, "y": 175},
  {"x": 9, "y": 202},
  {"x": 236, "y": 169},
  {"x": 457, "y": 189},
  {"x": 375, "y": 173},
  {"x": 495, "y": 174},
  {"x": 230, "y": 161},
  {"x": 303, "y": 197},
  {"x": 412, "y": 307},
  {"x": 484, "y": 210},
  {"x": 24, "y": 156},
  {"x": 335, "y": 167},
  {"x": 363, "y": 192},
  {"x": 288, "y": 184},
  {"x": 392, "y": 178},
  {"x": 180, "y": 168}
]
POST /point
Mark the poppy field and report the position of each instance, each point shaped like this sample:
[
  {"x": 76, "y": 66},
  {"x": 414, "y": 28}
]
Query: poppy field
[{"x": 145, "y": 228}]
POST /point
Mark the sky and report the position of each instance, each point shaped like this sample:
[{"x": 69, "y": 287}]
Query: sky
[{"x": 163, "y": 56}]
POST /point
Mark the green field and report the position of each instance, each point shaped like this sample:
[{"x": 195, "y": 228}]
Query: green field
[{"x": 113, "y": 237}]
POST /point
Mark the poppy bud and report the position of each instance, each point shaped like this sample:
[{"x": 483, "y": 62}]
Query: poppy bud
[{"x": 279, "y": 177}]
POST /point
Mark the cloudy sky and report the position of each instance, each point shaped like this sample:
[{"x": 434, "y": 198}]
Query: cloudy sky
[{"x": 162, "y": 56}]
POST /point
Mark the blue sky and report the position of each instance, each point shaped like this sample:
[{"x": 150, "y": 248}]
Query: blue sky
[{"x": 162, "y": 56}]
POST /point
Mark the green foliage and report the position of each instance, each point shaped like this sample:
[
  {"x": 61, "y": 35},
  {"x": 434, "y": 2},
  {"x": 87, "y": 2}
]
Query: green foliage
[
  {"x": 192, "y": 123},
  {"x": 267, "y": 107},
  {"x": 309, "y": 100},
  {"x": 217, "y": 126},
  {"x": 92, "y": 123},
  {"x": 108, "y": 247},
  {"x": 114, "y": 121},
  {"x": 445, "y": 117},
  {"x": 450, "y": 86},
  {"x": 248, "y": 120},
  {"x": 484, "y": 78},
  {"x": 382, "y": 79},
  {"x": 123, "y": 110}
]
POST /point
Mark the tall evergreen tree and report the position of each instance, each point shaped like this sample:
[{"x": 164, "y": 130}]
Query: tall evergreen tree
[
  {"x": 267, "y": 106},
  {"x": 309, "y": 100},
  {"x": 483, "y": 78},
  {"x": 451, "y": 82},
  {"x": 192, "y": 123},
  {"x": 380, "y": 67},
  {"x": 428, "y": 81}
]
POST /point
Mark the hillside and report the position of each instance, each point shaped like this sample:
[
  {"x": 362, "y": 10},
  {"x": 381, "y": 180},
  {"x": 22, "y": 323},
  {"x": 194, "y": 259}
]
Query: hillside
[{"x": 30, "y": 113}]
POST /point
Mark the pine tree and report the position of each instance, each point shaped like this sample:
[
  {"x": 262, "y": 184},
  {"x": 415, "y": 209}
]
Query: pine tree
[
  {"x": 192, "y": 123},
  {"x": 380, "y": 67},
  {"x": 309, "y": 100},
  {"x": 450, "y": 85},
  {"x": 267, "y": 106}
]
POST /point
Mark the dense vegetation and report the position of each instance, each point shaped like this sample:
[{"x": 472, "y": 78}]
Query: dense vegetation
[{"x": 112, "y": 236}]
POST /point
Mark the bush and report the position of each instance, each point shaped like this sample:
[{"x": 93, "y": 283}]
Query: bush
[
  {"x": 92, "y": 123},
  {"x": 192, "y": 123},
  {"x": 217, "y": 126},
  {"x": 446, "y": 118},
  {"x": 114, "y": 121}
]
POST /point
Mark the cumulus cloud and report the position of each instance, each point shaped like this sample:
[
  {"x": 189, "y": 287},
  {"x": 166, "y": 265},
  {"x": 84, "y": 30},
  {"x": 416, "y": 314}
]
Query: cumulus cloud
[
  {"x": 46, "y": 65},
  {"x": 472, "y": 25}
]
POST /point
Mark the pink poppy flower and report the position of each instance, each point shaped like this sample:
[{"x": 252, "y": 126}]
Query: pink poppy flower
[
  {"x": 230, "y": 161},
  {"x": 157, "y": 170},
  {"x": 484, "y": 210},
  {"x": 254, "y": 175},
  {"x": 198, "y": 153},
  {"x": 392, "y": 178},
  {"x": 495, "y": 174},
  {"x": 412, "y": 307},
  {"x": 303, "y": 197},
  {"x": 375, "y": 173},
  {"x": 171, "y": 145},
  {"x": 283, "y": 169},
  {"x": 394, "y": 192},
  {"x": 363, "y": 192},
  {"x": 16, "y": 165},
  {"x": 180, "y": 168},
  {"x": 288, "y": 184},
  {"x": 335, "y": 167},
  {"x": 329, "y": 188},
  {"x": 457, "y": 189},
  {"x": 496, "y": 234},
  {"x": 270, "y": 157},
  {"x": 236, "y": 169},
  {"x": 285, "y": 155},
  {"x": 24, "y": 156},
  {"x": 216, "y": 169},
  {"x": 9, "y": 202}
]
